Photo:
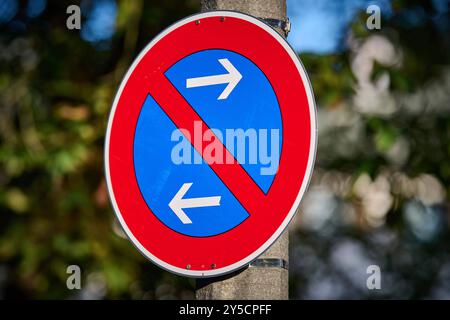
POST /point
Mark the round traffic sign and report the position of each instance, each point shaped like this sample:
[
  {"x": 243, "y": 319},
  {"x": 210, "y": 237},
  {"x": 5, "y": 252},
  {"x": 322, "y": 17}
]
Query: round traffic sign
[{"x": 210, "y": 143}]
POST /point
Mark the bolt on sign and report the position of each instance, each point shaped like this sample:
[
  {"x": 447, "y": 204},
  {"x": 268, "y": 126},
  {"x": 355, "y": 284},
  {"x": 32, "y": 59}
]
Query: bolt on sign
[{"x": 210, "y": 143}]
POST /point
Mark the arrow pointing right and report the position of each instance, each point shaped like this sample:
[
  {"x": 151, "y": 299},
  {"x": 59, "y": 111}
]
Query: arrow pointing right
[
  {"x": 232, "y": 78},
  {"x": 177, "y": 204}
]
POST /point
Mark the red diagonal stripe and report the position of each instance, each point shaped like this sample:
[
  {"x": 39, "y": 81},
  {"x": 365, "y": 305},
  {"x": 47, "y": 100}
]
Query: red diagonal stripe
[{"x": 184, "y": 116}]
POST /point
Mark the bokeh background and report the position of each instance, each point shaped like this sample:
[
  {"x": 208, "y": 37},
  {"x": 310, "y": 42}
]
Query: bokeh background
[{"x": 380, "y": 191}]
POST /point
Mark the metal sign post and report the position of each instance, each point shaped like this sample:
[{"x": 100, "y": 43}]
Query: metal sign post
[{"x": 268, "y": 276}]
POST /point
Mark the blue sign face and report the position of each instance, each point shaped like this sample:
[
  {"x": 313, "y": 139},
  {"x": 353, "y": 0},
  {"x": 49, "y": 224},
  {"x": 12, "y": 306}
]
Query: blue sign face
[{"x": 235, "y": 100}]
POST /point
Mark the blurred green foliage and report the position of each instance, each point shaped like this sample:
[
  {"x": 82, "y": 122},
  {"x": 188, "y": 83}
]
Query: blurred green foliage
[{"x": 56, "y": 92}]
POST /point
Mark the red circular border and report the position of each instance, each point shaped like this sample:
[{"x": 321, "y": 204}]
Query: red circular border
[{"x": 224, "y": 250}]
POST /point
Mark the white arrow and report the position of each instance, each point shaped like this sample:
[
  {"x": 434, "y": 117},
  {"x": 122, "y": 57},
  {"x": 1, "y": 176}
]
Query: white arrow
[
  {"x": 232, "y": 78},
  {"x": 177, "y": 204}
]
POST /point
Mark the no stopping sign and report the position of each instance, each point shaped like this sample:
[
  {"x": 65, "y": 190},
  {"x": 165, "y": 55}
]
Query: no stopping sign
[{"x": 210, "y": 144}]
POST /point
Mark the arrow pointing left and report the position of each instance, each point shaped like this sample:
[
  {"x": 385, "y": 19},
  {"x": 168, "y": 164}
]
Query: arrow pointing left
[{"x": 178, "y": 203}]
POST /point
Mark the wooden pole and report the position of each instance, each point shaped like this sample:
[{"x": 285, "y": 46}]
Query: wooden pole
[{"x": 268, "y": 276}]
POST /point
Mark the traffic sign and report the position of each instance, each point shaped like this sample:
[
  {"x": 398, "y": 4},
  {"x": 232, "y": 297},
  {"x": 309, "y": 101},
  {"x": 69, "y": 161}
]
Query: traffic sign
[{"x": 210, "y": 143}]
